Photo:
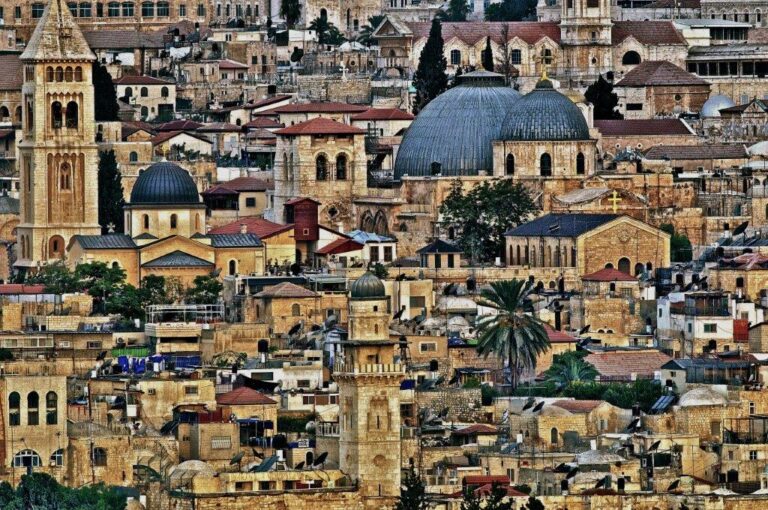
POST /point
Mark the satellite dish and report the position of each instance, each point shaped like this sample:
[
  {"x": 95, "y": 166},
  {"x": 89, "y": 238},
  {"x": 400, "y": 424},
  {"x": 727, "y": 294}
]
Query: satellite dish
[
  {"x": 236, "y": 459},
  {"x": 320, "y": 459},
  {"x": 300, "y": 465}
]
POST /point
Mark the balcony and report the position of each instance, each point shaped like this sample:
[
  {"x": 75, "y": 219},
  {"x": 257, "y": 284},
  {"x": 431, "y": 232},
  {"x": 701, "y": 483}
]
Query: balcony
[{"x": 373, "y": 368}]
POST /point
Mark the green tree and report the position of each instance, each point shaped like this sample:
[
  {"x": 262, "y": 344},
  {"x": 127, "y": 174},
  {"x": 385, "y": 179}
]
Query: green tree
[
  {"x": 601, "y": 95},
  {"x": 511, "y": 332},
  {"x": 105, "y": 97},
  {"x": 457, "y": 11},
  {"x": 101, "y": 281},
  {"x": 380, "y": 270},
  {"x": 430, "y": 79},
  {"x": 488, "y": 55},
  {"x": 481, "y": 216},
  {"x": 534, "y": 504},
  {"x": 41, "y": 491},
  {"x": 511, "y": 10},
  {"x": 111, "y": 201},
  {"x": 56, "y": 279},
  {"x": 570, "y": 367},
  {"x": 205, "y": 290},
  {"x": 497, "y": 499},
  {"x": 327, "y": 33},
  {"x": 679, "y": 245},
  {"x": 413, "y": 495},
  {"x": 290, "y": 10},
  {"x": 366, "y": 33}
]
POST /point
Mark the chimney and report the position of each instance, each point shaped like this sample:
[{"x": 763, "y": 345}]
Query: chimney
[{"x": 243, "y": 228}]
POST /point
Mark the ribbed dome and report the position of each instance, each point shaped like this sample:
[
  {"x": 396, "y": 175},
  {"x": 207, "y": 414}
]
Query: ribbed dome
[
  {"x": 164, "y": 183},
  {"x": 545, "y": 114},
  {"x": 713, "y": 105},
  {"x": 457, "y": 128},
  {"x": 367, "y": 286}
]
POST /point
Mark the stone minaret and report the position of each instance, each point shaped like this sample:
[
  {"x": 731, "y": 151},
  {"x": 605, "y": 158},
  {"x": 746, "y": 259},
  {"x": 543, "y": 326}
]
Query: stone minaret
[
  {"x": 369, "y": 376},
  {"x": 58, "y": 156}
]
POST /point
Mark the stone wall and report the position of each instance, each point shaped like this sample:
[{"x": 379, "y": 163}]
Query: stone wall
[
  {"x": 335, "y": 88},
  {"x": 463, "y": 404}
]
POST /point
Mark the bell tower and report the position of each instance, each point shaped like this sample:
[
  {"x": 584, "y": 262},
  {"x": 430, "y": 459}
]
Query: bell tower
[
  {"x": 58, "y": 156},
  {"x": 369, "y": 376},
  {"x": 585, "y": 22}
]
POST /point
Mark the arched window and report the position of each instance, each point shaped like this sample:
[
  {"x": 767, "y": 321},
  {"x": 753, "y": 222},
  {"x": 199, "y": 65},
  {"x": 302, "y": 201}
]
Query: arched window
[
  {"x": 33, "y": 408},
  {"x": 56, "y": 115},
  {"x": 27, "y": 458},
  {"x": 580, "y": 164},
  {"x": 72, "y": 115},
  {"x": 545, "y": 164},
  {"x": 144, "y": 92},
  {"x": 85, "y": 10},
  {"x": 232, "y": 267},
  {"x": 341, "y": 167},
  {"x": 49, "y": 73},
  {"x": 78, "y": 73},
  {"x": 554, "y": 437},
  {"x": 321, "y": 168},
  {"x": 163, "y": 9},
  {"x": 144, "y": 112},
  {"x": 164, "y": 92},
  {"x": 51, "y": 408},
  {"x": 65, "y": 177},
  {"x": 296, "y": 310},
  {"x": 147, "y": 9},
  {"x": 133, "y": 157},
  {"x": 57, "y": 457},
  {"x": 323, "y": 14},
  {"x": 630, "y": 58},
  {"x": 4, "y": 112},
  {"x": 99, "y": 456},
  {"x": 455, "y": 57},
  {"x": 624, "y": 265},
  {"x": 68, "y": 74},
  {"x": 59, "y": 73},
  {"x": 14, "y": 409},
  {"x": 72, "y": 8},
  {"x": 639, "y": 269},
  {"x": 509, "y": 165},
  {"x": 113, "y": 9},
  {"x": 128, "y": 9},
  {"x": 145, "y": 219},
  {"x": 128, "y": 91},
  {"x": 174, "y": 221},
  {"x": 740, "y": 282}
]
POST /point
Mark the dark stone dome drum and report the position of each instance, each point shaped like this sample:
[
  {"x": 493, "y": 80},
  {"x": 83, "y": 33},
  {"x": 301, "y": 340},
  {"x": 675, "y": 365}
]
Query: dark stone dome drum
[
  {"x": 164, "y": 183},
  {"x": 454, "y": 133},
  {"x": 367, "y": 286}
]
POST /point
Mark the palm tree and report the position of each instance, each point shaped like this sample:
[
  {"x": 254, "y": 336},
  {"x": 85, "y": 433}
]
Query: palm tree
[
  {"x": 291, "y": 11},
  {"x": 511, "y": 332},
  {"x": 367, "y": 31},
  {"x": 568, "y": 368},
  {"x": 327, "y": 33}
]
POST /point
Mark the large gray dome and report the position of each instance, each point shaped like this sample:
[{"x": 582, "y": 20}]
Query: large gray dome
[
  {"x": 714, "y": 104},
  {"x": 457, "y": 128},
  {"x": 545, "y": 114},
  {"x": 164, "y": 183}
]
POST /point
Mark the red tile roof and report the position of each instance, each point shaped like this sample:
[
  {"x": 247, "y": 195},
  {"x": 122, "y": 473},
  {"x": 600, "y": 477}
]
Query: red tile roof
[
  {"x": 320, "y": 126},
  {"x": 659, "y": 72},
  {"x": 330, "y": 107},
  {"x": 384, "y": 114},
  {"x": 608, "y": 275},
  {"x": 259, "y": 226},
  {"x": 140, "y": 80},
  {"x": 167, "y": 135},
  {"x": 646, "y": 32},
  {"x": 231, "y": 64},
  {"x": 286, "y": 290},
  {"x": 485, "y": 479},
  {"x": 578, "y": 406},
  {"x": 20, "y": 288},
  {"x": 243, "y": 397},
  {"x": 487, "y": 489},
  {"x": 219, "y": 127},
  {"x": 339, "y": 246},
  {"x": 179, "y": 125},
  {"x": 264, "y": 123},
  {"x": 250, "y": 184},
  {"x": 558, "y": 337},
  {"x": 476, "y": 429},
  {"x": 642, "y": 127},
  {"x": 622, "y": 364},
  {"x": 473, "y": 31}
]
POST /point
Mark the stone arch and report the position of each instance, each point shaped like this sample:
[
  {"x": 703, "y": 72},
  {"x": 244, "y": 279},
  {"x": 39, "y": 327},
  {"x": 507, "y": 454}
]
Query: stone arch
[
  {"x": 624, "y": 265},
  {"x": 56, "y": 247},
  {"x": 366, "y": 222},
  {"x": 380, "y": 224},
  {"x": 631, "y": 58}
]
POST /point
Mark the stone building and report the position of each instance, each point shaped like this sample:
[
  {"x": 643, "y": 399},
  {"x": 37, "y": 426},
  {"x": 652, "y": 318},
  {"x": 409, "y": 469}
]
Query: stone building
[
  {"x": 154, "y": 98},
  {"x": 58, "y": 154}
]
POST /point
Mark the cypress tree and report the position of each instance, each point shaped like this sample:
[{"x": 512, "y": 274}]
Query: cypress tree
[
  {"x": 488, "y": 55},
  {"x": 105, "y": 97},
  {"x": 605, "y": 100},
  {"x": 111, "y": 199},
  {"x": 430, "y": 79}
]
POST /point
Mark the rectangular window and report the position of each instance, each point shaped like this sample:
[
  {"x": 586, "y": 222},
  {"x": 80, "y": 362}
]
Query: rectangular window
[
  {"x": 690, "y": 328},
  {"x": 17, "y": 12},
  {"x": 661, "y": 312},
  {"x": 387, "y": 254},
  {"x": 190, "y": 390},
  {"x": 302, "y": 383},
  {"x": 93, "y": 345},
  {"x": 99, "y": 10},
  {"x": 221, "y": 443},
  {"x": 710, "y": 328},
  {"x": 250, "y": 202},
  {"x": 517, "y": 57},
  {"x": 714, "y": 427},
  {"x": 37, "y": 10},
  {"x": 374, "y": 253},
  {"x": 2, "y": 13},
  {"x": 308, "y": 400},
  {"x": 752, "y": 454},
  {"x": 182, "y": 10},
  {"x": 151, "y": 391},
  {"x": 634, "y": 107},
  {"x": 751, "y": 408},
  {"x": 428, "y": 347},
  {"x": 201, "y": 9},
  {"x": 450, "y": 260},
  {"x": 438, "y": 261},
  {"x": 128, "y": 9}
]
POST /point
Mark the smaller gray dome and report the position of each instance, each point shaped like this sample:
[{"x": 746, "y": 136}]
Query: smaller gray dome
[
  {"x": 367, "y": 286},
  {"x": 544, "y": 114},
  {"x": 164, "y": 183},
  {"x": 714, "y": 104}
]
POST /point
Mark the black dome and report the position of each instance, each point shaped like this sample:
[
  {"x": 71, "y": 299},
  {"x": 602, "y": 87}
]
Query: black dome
[
  {"x": 367, "y": 286},
  {"x": 457, "y": 128},
  {"x": 164, "y": 183},
  {"x": 545, "y": 114}
]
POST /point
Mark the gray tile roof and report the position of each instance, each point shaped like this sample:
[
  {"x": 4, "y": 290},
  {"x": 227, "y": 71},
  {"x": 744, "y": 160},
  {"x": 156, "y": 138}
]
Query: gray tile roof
[
  {"x": 145, "y": 235},
  {"x": 106, "y": 242},
  {"x": 439, "y": 246},
  {"x": 9, "y": 205},
  {"x": 234, "y": 240},
  {"x": 561, "y": 225},
  {"x": 177, "y": 259}
]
